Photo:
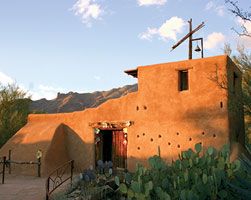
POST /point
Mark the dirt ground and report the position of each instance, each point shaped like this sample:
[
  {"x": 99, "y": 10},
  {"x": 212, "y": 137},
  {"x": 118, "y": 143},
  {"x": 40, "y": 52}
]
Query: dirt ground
[{"x": 22, "y": 188}]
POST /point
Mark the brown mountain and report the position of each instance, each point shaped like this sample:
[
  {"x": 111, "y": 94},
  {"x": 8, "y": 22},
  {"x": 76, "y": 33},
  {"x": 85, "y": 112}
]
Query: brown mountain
[{"x": 74, "y": 101}]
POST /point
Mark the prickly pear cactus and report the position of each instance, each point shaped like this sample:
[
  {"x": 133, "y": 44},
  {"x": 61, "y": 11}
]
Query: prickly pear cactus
[{"x": 195, "y": 175}]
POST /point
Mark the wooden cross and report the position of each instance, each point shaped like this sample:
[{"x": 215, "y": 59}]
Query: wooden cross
[{"x": 190, "y": 36}]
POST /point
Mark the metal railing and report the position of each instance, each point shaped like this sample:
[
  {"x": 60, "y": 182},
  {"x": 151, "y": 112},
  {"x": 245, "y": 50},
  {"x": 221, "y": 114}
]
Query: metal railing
[
  {"x": 58, "y": 177},
  {"x": 2, "y": 168}
]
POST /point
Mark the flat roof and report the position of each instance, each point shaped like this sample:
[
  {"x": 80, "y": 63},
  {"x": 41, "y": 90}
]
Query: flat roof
[{"x": 134, "y": 72}]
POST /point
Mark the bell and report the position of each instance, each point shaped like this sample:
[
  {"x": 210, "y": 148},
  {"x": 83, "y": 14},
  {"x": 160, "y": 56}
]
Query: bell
[{"x": 197, "y": 49}]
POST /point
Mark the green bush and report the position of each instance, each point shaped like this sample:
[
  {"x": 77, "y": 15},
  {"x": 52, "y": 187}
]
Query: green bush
[
  {"x": 195, "y": 175},
  {"x": 14, "y": 109}
]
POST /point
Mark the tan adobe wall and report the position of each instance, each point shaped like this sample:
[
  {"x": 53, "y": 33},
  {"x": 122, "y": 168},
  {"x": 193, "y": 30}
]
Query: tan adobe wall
[
  {"x": 184, "y": 118},
  {"x": 73, "y": 140},
  {"x": 162, "y": 117}
]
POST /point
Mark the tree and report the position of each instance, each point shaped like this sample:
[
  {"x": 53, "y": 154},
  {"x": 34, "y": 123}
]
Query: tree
[
  {"x": 14, "y": 109},
  {"x": 245, "y": 15},
  {"x": 243, "y": 61}
]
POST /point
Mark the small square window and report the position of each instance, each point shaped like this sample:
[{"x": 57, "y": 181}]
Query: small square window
[
  {"x": 183, "y": 80},
  {"x": 235, "y": 79}
]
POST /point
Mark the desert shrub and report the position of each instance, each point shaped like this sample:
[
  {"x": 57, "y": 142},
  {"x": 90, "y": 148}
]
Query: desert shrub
[
  {"x": 95, "y": 184},
  {"x": 14, "y": 109},
  {"x": 195, "y": 175}
]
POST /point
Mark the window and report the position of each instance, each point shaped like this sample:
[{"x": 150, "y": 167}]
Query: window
[
  {"x": 235, "y": 79},
  {"x": 183, "y": 80}
]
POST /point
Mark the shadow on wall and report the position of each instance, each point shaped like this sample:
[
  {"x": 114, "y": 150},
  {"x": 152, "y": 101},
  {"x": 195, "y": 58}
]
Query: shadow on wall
[
  {"x": 207, "y": 117},
  {"x": 78, "y": 150},
  {"x": 213, "y": 132},
  {"x": 56, "y": 154},
  {"x": 133, "y": 161},
  {"x": 209, "y": 120},
  {"x": 65, "y": 145},
  {"x": 23, "y": 152}
]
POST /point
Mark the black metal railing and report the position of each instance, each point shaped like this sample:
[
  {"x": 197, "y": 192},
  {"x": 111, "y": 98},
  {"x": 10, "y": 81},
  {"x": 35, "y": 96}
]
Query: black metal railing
[
  {"x": 58, "y": 177},
  {"x": 2, "y": 167}
]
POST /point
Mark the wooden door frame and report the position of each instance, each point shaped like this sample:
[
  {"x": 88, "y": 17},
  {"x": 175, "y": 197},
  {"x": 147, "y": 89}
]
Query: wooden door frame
[
  {"x": 95, "y": 148},
  {"x": 110, "y": 126}
]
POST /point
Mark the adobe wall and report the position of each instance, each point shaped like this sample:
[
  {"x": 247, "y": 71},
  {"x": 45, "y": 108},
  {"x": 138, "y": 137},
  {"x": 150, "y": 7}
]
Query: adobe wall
[
  {"x": 25, "y": 143},
  {"x": 162, "y": 117},
  {"x": 176, "y": 120},
  {"x": 235, "y": 104},
  {"x": 64, "y": 136}
]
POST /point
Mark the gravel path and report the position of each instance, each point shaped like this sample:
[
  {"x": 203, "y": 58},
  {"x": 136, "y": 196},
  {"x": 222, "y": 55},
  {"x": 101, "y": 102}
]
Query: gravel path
[{"x": 22, "y": 188}]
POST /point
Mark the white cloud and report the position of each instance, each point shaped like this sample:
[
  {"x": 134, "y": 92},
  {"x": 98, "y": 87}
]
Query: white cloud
[
  {"x": 246, "y": 24},
  {"x": 213, "y": 40},
  {"x": 42, "y": 91},
  {"x": 45, "y": 91},
  {"x": 209, "y": 5},
  {"x": 219, "y": 9},
  {"x": 245, "y": 40},
  {"x": 5, "y": 79},
  {"x": 87, "y": 10},
  {"x": 151, "y": 2},
  {"x": 147, "y": 35},
  {"x": 168, "y": 30},
  {"x": 171, "y": 27}
]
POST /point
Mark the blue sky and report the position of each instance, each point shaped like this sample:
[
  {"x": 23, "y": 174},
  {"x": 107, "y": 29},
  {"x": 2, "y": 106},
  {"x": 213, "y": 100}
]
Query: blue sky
[{"x": 85, "y": 45}]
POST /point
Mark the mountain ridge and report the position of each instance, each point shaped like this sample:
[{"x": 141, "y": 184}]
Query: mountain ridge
[{"x": 73, "y": 101}]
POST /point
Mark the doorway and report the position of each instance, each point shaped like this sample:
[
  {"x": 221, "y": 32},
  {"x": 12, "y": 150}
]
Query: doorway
[
  {"x": 111, "y": 146},
  {"x": 107, "y": 146}
]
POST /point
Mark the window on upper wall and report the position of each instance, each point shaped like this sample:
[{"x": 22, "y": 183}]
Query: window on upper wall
[
  {"x": 235, "y": 79},
  {"x": 183, "y": 80}
]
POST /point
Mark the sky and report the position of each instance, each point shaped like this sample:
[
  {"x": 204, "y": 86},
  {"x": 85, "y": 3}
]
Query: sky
[{"x": 53, "y": 46}]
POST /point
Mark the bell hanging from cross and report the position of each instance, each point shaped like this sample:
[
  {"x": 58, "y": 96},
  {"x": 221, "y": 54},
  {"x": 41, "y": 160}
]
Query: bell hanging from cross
[{"x": 197, "y": 49}]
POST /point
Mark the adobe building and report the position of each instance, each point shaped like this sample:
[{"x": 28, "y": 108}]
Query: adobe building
[{"x": 177, "y": 105}]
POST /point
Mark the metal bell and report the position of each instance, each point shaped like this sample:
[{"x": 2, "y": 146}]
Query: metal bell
[{"x": 197, "y": 49}]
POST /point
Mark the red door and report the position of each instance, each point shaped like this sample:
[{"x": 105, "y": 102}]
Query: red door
[{"x": 119, "y": 147}]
